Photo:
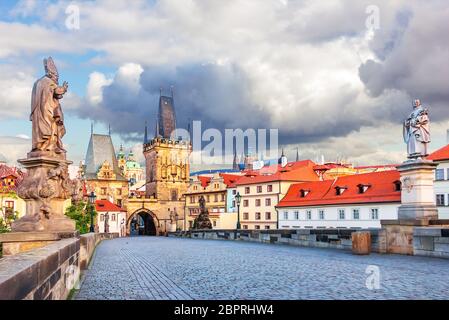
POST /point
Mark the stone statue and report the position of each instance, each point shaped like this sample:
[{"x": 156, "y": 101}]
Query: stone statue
[
  {"x": 416, "y": 131},
  {"x": 46, "y": 113},
  {"x": 202, "y": 221},
  {"x": 47, "y": 184}
]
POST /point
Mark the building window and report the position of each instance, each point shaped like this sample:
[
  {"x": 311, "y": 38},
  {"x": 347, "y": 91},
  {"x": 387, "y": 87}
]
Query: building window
[
  {"x": 245, "y": 227},
  {"x": 245, "y": 203},
  {"x": 257, "y": 202},
  {"x": 341, "y": 214},
  {"x": 113, "y": 217},
  {"x": 102, "y": 217},
  {"x": 223, "y": 197},
  {"x": 321, "y": 214},
  {"x": 257, "y": 227},
  {"x": 397, "y": 185},
  {"x": 285, "y": 215},
  {"x": 439, "y": 174},
  {"x": 259, "y": 189},
  {"x": 208, "y": 198},
  {"x": 355, "y": 214},
  {"x": 270, "y": 188},
  {"x": 103, "y": 191},
  {"x": 9, "y": 209},
  {"x": 233, "y": 203},
  {"x": 234, "y": 192},
  {"x": 119, "y": 202},
  {"x": 267, "y": 215},
  {"x": 247, "y": 190},
  {"x": 267, "y": 227},
  {"x": 257, "y": 215},
  {"x": 296, "y": 215},
  {"x": 303, "y": 193},
  {"x": 214, "y": 222},
  {"x": 119, "y": 192},
  {"x": 268, "y": 202},
  {"x": 374, "y": 213},
  {"x": 216, "y": 198},
  {"x": 174, "y": 195},
  {"x": 340, "y": 190},
  {"x": 440, "y": 200},
  {"x": 245, "y": 216},
  {"x": 309, "y": 214}
]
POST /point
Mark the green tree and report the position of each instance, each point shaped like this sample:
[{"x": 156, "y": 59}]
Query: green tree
[
  {"x": 6, "y": 217},
  {"x": 80, "y": 212}
]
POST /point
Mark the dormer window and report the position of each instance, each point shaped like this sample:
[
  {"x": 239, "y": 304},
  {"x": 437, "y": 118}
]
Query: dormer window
[
  {"x": 303, "y": 193},
  {"x": 397, "y": 185},
  {"x": 363, "y": 187},
  {"x": 340, "y": 190}
]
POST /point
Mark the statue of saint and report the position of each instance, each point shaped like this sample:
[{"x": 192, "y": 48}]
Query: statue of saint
[
  {"x": 416, "y": 131},
  {"x": 46, "y": 113}
]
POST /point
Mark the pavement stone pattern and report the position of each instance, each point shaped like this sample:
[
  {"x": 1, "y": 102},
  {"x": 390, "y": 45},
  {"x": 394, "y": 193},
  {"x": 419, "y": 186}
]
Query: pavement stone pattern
[{"x": 174, "y": 268}]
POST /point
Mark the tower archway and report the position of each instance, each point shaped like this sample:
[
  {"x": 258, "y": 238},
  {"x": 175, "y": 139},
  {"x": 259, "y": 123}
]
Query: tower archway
[{"x": 143, "y": 223}]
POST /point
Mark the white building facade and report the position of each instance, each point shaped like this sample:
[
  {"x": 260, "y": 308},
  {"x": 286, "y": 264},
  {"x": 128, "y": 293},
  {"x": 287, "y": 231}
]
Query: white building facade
[
  {"x": 337, "y": 216},
  {"x": 110, "y": 218},
  {"x": 441, "y": 183}
]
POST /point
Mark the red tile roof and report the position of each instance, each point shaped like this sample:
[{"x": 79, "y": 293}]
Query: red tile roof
[
  {"x": 14, "y": 173},
  {"x": 106, "y": 206},
  {"x": 293, "y": 171},
  {"x": 230, "y": 179},
  {"x": 205, "y": 180},
  {"x": 381, "y": 189},
  {"x": 440, "y": 154}
]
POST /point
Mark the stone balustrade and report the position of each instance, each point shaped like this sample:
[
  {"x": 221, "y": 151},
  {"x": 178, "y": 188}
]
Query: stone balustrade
[
  {"x": 50, "y": 272},
  {"x": 431, "y": 242},
  {"x": 322, "y": 238}
]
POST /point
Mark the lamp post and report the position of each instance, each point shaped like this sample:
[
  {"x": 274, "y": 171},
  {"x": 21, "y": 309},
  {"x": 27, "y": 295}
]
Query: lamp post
[
  {"x": 238, "y": 198},
  {"x": 92, "y": 198}
]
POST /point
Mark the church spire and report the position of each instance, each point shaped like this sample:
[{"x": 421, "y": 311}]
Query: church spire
[
  {"x": 156, "y": 130},
  {"x": 145, "y": 136}
]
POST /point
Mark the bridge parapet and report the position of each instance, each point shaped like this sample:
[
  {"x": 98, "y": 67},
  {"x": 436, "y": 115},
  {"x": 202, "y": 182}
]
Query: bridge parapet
[
  {"x": 49, "y": 272},
  {"x": 323, "y": 238}
]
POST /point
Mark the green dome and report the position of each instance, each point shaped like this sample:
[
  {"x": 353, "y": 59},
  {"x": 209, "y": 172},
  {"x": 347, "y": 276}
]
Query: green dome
[{"x": 132, "y": 165}]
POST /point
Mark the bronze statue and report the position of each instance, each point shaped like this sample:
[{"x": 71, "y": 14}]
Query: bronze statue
[{"x": 46, "y": 112}]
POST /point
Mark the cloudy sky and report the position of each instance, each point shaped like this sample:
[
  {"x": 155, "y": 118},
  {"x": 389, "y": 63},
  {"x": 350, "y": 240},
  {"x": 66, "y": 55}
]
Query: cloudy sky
[{"x": 312, "y": 69}]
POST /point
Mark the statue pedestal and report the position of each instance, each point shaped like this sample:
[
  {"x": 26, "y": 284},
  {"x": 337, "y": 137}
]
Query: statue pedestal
[
  {"x": 45, "y": 189},
  {"x": 417, "y": 206},
  {"x": 17, "y": 242},
  {"x": 417, "y": 196}
]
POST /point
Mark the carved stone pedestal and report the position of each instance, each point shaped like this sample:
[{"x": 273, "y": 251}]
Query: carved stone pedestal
[
  {"x": 45, "y": 189},
  {"x": 417, "y": 205},
  {"x": 417, "y": 196}
]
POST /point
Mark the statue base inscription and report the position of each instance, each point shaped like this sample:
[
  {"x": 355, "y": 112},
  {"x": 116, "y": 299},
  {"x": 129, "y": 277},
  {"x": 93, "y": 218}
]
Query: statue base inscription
[
  {"x": 45, "y": 189},
  {"x": 417, "y": 196}
]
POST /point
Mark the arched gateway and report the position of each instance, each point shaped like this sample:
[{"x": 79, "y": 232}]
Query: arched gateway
[{"x": 143, "y": 223}]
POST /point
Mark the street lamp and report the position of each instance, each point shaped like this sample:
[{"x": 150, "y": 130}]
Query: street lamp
[
  {"x": 238, "y": 198},
  {"x": 92, "y": 198}
]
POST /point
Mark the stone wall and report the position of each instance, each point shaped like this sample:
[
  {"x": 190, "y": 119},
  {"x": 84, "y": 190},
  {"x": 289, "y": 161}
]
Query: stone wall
[
  {"x": 322, "y": 238},
  {"x": 431, "y": 242},
  {"x": 50, "y": 272}
]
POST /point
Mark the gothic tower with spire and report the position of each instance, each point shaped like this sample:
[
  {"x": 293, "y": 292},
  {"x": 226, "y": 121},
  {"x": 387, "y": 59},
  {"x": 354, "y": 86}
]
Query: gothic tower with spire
[{"x": 166, "y": 156}]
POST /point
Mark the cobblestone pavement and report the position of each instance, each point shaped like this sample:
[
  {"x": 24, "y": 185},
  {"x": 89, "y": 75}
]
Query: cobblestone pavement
[{"x": 171, "y": 268}]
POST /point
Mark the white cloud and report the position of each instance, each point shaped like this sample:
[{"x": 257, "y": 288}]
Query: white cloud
[
  {"x": 297, "y": 62},
  {"x": 14, "y": 148}
]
